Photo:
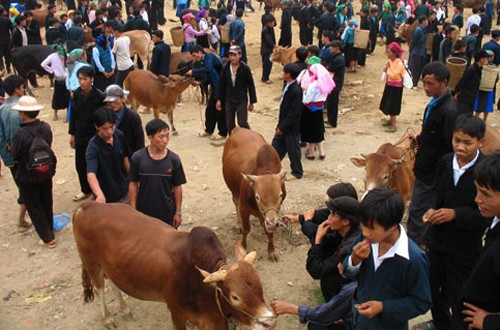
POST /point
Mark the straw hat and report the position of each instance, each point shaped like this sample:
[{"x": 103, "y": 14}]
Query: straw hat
[{"x": 27, "y": 103}]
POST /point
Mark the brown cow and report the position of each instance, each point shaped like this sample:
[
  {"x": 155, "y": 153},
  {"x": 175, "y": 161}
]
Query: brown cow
[
  {"x": 284, "y": 55},
  {"x": 149, "y": 260},
  {"x": 388, "y": 167},
  {"x": 469, "y": 3},
  {"x": 159, "y": 93},
  {"x": 176, "y": 59},
  {"x": 491, "y": 142},
  {"x": 405, "y": 31},
  {"x": 39, "y": 15},
  {"x": 252, "y": 171}
]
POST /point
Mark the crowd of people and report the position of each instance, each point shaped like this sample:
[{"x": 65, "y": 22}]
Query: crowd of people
[{"x": 374, "y": 273}]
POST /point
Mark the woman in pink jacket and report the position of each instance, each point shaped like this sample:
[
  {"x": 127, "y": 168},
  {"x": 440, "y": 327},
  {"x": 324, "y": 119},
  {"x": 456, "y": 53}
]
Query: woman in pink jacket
[{"x": 190, "y": 33}]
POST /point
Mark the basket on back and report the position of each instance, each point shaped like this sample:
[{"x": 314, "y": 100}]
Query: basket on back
[
  {"x": 224, "y": 34},
  {"x": 457, "y": 66},
  {"x": 489, "y": 76},
  {"x": 361, "y": 38},
  {"x": 177, "y": 36}
]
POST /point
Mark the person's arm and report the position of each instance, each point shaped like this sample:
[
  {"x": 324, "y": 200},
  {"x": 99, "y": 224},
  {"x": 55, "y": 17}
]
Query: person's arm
[
  {"x": 113, "y": 62},
  {"x": 138, "y": 132},
  {"x": 251, "y": 87},
  {"x": 133, "y": 190},
  {"x": 96, "y": 188},
  {"x": 351, "y": 268},
  {"x": 480, "y": 319},
  {"x": 46, "y": 64},
  {"x": 155, "y": 61},
  {"x": 318, "y": 264},
  {"x": 126, "y": 164},
  {"x": 178, "y": 206}
]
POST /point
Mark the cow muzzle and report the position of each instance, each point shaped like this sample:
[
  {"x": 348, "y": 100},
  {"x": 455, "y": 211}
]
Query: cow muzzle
[
  {"x": 271, "y": 225},
  {"x": 265, "y": 323}
]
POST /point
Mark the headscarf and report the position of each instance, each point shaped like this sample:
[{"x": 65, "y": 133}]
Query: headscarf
[
  {"x": 339, "y": 8},
  {"x": 202, "y": 13},
  {"x": 187, "y": 17},
  {"x": 353, "y": 22},
  {"x": 61, "y": 52},
  {"x": 313, "y": 60},
  {"x": 396, "y": 48},
  {"x": 230, "y": 18},
  {"x": 73, "y": 57},
  {"x": 325, "y": 80}
]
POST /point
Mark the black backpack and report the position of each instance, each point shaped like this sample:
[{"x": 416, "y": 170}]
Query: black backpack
[{"x": 41, "y": 165}]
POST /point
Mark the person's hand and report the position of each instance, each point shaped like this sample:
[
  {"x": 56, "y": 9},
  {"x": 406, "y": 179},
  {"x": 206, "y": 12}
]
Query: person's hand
[
  {"x": 340, "y": 267},
  {"x": 322, "y": 231},
  {"x": 290, "y": 218},
  {"x": 360, "y": 252},
  {"x": 189, "y": 73},
  {"x": 100, "y": 199},
  {"x": 218, "y": 105},
  {"x": 370, "y": 309},
  {"x": 177, "y": 220},
  {"x": 72, "y": 141},
  {"x": 475, "y": 316},
  {"x": 250, "y": 107},
  {"x": 277, "y": 131},
  {"x": 427, "y": 215},
  {"x": 283, "y": 307},
  {"x": 441, "y": 216},
  {"x": 309, "y": 214}
]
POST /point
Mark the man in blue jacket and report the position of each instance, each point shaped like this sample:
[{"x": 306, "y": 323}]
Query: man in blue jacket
[
  {"x": 237, "y": 34},
  {"x": 417, "y": 50},
  {"x": 494, "y": 46}
]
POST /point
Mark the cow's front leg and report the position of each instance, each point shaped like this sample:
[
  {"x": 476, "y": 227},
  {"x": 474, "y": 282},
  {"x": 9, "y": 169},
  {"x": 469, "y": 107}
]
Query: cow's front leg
[
  {"x": 270, "y": 246},
  {"x": 245, "y": 227}
]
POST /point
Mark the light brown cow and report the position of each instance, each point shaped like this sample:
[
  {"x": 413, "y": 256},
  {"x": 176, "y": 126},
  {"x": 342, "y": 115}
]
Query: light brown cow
[
  {"x": 405, "y": 31},
  {"x": 284, "y": 55},
  {"x": 389, "y": 167},
  {"x": 159, "y": 93},
  {"x": 252, "y": 171},
  {"x": 185, "y": 57},
  {"x": 149, "y": 260},
  {"x": 469, "y": 3},
  {"x": 491, "y": 142},
  {"x": 140, "y": 42}
]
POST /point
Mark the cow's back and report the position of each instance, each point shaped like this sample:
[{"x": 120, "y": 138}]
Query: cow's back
[
  {"x": 247, "y": 152},
  {"x": 29, "y": 58},
  {"x": 134, "y": 250},
  {"x": 144, "y": 86}
]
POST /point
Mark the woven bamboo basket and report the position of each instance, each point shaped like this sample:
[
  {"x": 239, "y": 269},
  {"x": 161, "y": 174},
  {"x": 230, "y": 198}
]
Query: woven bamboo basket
[
  {"x": 224, "y": 34},
  {"x": 489, "y": 75},
  {"x": 177, "y": 36},
  {"x": 361, "y": 38},
  {"x": 457, "y": 67}
]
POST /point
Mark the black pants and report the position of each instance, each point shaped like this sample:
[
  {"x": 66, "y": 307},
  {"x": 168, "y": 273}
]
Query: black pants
[
  {"x": 289, "y": 143},
  {"x": 267, "y": 65},
  {"x": 214, "y": 117},
  {"x": 121, "y": 75},
  {"x": 373, "y": 43},
  {"x": 4, "y": 54},
  {"x": 311, "y": 326},
  {"x": 81, "y": 168},
  {"x": 447, "y": 274},
  {"x": 362, "y": 57},
  {"x": 309, "y": 36},
  {"x": 415, "y": 66},
  {"x": 240, "y": 111},
  {"x": 303, "y": 36},
  {"x": 332, "y": 107},
  {"x": 421, "y": 201},
  {"x": 38, "y": 200}
]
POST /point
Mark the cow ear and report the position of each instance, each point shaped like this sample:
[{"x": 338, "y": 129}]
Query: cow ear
[
  {"x": 163, "y": 79},
  {"x": 249, "y": 178},
  {"x": 217, "y": 276},
  {"x": 250, "y": 257},
  {"x": 359, "y": 162},
  {"x": 239, "y": 251},
  {"x": 281, "y": 175}
]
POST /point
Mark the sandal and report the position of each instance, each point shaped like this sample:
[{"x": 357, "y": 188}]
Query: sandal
[
  {"x": 80, "y": 197},
  {"x": 429, "y": 325},
  {"x": 22, "y": 227},
  {"x": 50, "y": 245},
  {"x": 310, "y": 157},
  {"x": 322, "y": 157}
]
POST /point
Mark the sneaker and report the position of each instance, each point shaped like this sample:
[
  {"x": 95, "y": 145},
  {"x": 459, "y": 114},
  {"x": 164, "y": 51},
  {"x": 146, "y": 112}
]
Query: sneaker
[{"x": 204, "y": 134}]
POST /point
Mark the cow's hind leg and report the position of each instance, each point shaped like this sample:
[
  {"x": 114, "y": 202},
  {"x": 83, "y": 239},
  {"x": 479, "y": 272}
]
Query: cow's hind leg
[
  {"x": 127, "y": 313},
  {"x": 108, "y": 319}
]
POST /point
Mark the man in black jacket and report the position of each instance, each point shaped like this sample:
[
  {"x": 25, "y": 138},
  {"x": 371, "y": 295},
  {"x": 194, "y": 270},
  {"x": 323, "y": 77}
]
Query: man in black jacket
[
  {"x": 434, "y": 141},
  {"x": 235, "y": 97},
  {"x": 481, "y": 292},
  {"x": 160, "y": 61},
  {"x": 86, "y": 100},
  {"x": 137, "y": 23},
  {"x": 286, "y": 25},
  {"x": 336, "y": 65},
  {"x": 287, "y": 133},
  {"x": 327, "y": 22},
  {"x": 304, "y": 21},
  {"x": 267, "y": 44},
  {"x": 127, "y": 121},
  {"x": 6, "y": 28},
  {"x": 52, "y": 33},
  {"x": 456, "y": 227}
]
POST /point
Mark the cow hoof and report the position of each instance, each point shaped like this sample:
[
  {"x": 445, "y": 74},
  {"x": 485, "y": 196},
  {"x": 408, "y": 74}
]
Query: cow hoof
[
  {"x": 175, "y": 133},
  {"x": 273, "y": 257}
]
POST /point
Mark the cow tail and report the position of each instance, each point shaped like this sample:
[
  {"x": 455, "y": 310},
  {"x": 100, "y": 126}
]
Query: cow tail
[{"x": 88, "y": 290}]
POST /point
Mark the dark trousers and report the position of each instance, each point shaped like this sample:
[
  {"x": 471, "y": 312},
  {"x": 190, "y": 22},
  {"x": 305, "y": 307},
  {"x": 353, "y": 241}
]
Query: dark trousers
[
  {"x": 309, "y": 36},
  {"x": 240, "y": 111},
  {"x": 373, "y": 43},
  {"x": 362, "y": 57},
  {"x": 332, "y": 107},
  {"x": 38, "y": 200},
  {"x": 303, "y": 36},
  {"x": 4, "y": 54},
  {"x": 244, "y": 57},
  {"x": 415, "y": 66},
  {"x": 311, "y": 326},
  {"x": 267, "y": 65},
  {"x": 289, "y": 143},
  {"x": 447, "y": 274},
  {"x": 214, "y": 117},
  {"x": 421, "y": 201},
  {"x": 121, "y": 75},
  {"x": 81, "y": 168}
]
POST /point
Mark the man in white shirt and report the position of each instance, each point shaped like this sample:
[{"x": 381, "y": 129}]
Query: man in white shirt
[
  {"x": 473, "y": 19},
  {"x": 122, "y": 50}
]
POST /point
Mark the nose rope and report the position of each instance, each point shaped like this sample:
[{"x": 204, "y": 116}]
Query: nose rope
[{"x": 258, "y": 320}]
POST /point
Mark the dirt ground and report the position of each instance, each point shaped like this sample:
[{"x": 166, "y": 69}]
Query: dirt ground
[{"x": 52, "y": 277}]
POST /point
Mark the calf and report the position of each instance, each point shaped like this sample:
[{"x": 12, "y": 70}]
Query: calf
[
  {"x": 159, "y": 93},
  {"x": 252, "y": 171},
  {"x": 284, "y": 55},
  {"x": 149, "y": 260}
]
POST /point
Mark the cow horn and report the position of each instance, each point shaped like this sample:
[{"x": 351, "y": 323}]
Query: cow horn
[
  {"x": 281, "y": 174},
  {"x": 363, "y": 155},
  {"x": 217, "y": 276},
  {"x": 250, "y": 257},
  {"x": 249, "y": 177}
]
